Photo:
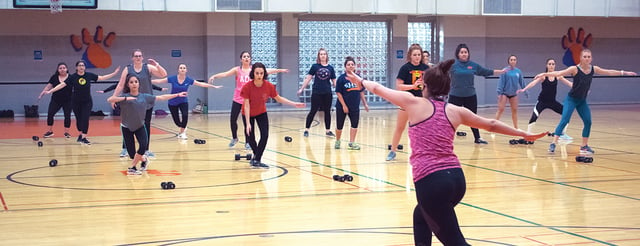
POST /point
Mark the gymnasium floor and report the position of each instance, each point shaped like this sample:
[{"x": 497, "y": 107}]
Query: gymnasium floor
[{"x": 516, "y": 195}]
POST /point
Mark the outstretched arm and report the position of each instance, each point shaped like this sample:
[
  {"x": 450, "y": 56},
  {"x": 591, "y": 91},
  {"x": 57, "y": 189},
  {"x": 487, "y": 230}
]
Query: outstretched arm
[
  {"x": 160, "y": 81},
  {"x": 231, "y": 72},
  {"x": 288, "y": 102},
  {"x": 206, "y": 85},
  {"x": 108, "y": 76},
  {"x": 277, "y": 70},
  {"x": 570, "y": 71},
  {"x": 170, "y": 96},
  {"x": 400, "y": 98},
  {"x": 531, "y": 85},
  {"x": 612, "y": 72},
  {"x": 471, "y": 119}
]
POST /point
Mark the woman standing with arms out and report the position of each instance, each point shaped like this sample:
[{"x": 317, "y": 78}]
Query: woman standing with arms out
[
  {"x": 508, "y": 85},
  {"x": 59, "y": 99},
  {"x": 324, "y": 77},
  {"x": 577, "y": 98},
  {"x": 242, "y": 77},
  {"x": 547, "y": 97},
  {"x": 255, "y": 94},
  {"x": 409, "y": 79},
  {"x": 134, "y": 105},
  {"x": 426, "y": 58},
  {"x": 180, "y": 105},
  {"x": 80, "y": 82},
  {"x": 144, "y": 72},
  {"x": 463, "y": 91},
  {"x": 348, "y": 104},
  {"x": 438, "y": 178}
]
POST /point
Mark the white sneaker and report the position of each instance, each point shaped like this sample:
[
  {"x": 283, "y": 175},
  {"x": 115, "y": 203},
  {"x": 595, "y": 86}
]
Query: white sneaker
[
  {"x": 566, "y": 137},
  {"x": 124, "y": 153},
  {"x": 183, "y": 135}
]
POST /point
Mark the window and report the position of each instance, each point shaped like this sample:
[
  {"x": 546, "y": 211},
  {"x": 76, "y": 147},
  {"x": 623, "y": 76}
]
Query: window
[{"x": 264, "y": 46}]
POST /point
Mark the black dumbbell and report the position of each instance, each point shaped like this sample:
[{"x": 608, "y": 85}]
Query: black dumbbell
[
  {"x": 400, "y": 147},
  {"x": 53, "y": 163},
  {"x": 461, "y": 134},
  {"x": 247, "y": 156},
  {"x": 35, "y": 138},
  {"x": 551, "y": 134},
  {"x": 168, "y": 185},
  {"x": 40, "y": 143},
  {"x": 513, "y": 142},
  {"x": 199, "y": 141},
  {"x": 288, "y": 139},
  {"x": 522, "y": 141},
  {"x": 585, "y": 159},
  {"x": 346, "y": 177}
]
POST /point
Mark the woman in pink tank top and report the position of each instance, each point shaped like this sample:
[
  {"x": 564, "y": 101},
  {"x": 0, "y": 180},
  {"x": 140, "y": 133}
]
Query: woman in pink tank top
[
  {"x": 437, "y": 175},
  {"x": 242, "y": 77}
]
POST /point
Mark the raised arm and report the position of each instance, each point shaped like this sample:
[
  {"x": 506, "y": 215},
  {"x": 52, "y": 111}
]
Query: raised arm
[
  {"x": 399, "y": 98},
  {"x": 155, "y": 69},
  {"x": 612, "y": 72},
  {"x": 123, "y": 78},
  {"x": 228, "y": 73},
  {"x": 108, "y": 76}
]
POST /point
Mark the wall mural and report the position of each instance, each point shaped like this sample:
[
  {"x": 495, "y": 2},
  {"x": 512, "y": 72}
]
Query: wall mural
[
  {"x": 95, "y": 54},
  {"x": 573, "y": 44}
]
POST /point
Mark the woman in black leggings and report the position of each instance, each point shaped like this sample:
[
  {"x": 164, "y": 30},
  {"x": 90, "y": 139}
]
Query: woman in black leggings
[
  {"x": 324, "y": 77},
  {"x": 59, "y": 99}
]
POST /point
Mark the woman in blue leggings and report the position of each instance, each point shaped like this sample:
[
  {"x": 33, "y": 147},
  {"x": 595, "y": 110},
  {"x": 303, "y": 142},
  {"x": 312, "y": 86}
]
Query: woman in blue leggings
[{"x": 577, "y": 98}]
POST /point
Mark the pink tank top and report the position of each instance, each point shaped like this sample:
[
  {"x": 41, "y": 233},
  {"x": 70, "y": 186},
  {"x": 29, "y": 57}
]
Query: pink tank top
[
  {"x": 432, "y": 143},
  {"x": 242, "y": 78}
]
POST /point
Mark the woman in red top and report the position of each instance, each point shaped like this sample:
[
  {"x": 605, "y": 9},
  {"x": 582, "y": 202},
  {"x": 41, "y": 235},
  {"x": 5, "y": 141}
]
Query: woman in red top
[{"x": 256, "y": 93}]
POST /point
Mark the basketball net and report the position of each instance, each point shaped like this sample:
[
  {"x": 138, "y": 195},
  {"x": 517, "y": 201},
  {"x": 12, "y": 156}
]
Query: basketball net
[{"x": 56, "y": 6}]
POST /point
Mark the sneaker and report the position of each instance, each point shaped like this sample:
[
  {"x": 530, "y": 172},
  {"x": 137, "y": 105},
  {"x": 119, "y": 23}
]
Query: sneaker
[
  {"x": 233, "y": 142},
  {"x": 391, "y": 156},
  {"x": 337, "y": 145},
  {"x": 566, "y": 137},
  {"x": 330, "y": 134},
  {"x": 150, "y": 154},
  {"x": 48, "y": 134},
  {"x": 79, "y": 140},
  {"x": 586, "y": 148},
  {"x": 124, "y": 153},
  {"x": 67, "y": 135},
  {"x": 85, "y": 141},
  {"x": 257, "y": 164},
  {"x": 306, "y": 133},
  {"x": 480, "y": 141},
  {"x": 143, "y": 165},
  {"x": 552, "y": 147},
  {"x": 354, "y": 146},
  {"x": 133, "y": 171},
  {"x": 183, "y": 135}
]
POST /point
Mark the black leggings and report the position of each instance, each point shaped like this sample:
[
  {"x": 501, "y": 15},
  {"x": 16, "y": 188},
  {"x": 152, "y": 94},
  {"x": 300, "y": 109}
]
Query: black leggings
[
  {"x": 341, "y": 116},
  {"x": 470, "y": 103},
  {"x": 54, "y": 107},
  {"x": 236, "y": 108},
  {"x": 184, "y": 109},
  {"x": 320, "y": 101},
  {"x": 438, "y": 193},
  {"x": 555, "y": 106},
  {"x": 130, "y": 143},
  {"x": 147, "y": 126},
  {"x": 263, "y": 125},
  {"x": 82, "y": 111}
]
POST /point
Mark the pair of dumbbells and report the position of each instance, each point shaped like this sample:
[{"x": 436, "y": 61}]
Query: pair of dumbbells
[
  {"x": 168, "y": 185},
  {"x": 400, "y": 147},
  {"x": 199, "y": 141},
  {"x": 343, "y": 178}
]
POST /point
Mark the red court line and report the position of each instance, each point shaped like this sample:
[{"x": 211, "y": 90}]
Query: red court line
[{"x": 3, "y": 203}]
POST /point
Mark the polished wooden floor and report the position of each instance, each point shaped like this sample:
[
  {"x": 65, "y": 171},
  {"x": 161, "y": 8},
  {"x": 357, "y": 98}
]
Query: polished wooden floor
[{"x": 516, "y": 195}]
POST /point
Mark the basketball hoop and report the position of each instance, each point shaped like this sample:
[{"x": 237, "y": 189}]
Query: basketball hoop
[{"x": 56, "y": 6}]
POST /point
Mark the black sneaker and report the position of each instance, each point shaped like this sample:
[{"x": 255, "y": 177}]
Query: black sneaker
[
  {"x": 67, "y": 135},
  {"x": 480, "y": 141},
  {"x": 330, "y": 134},
  {"x": 85, "y": 141},
  {"x": 133, "y": 171},
  {"x": 257, "y": 164},
  {"x": 79, "y": 140},
  {"x": 143, "y": 165},
  {"x": 48, "y": 134}
]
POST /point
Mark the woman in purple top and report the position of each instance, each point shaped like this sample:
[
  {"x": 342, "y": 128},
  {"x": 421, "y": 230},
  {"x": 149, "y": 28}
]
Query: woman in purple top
[
  {"x": 438, "y": 178},
  {"x": 180, "y": 83}
]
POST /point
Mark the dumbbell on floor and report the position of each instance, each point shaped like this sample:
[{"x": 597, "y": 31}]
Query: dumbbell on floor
[
  {"x": 247, "y": 156},
  {"x": 343, "y": 178},
  {"x": 168, "y": 185},
  {"x": 199, "y": 141},
  {"x": 400, "y": 147}
]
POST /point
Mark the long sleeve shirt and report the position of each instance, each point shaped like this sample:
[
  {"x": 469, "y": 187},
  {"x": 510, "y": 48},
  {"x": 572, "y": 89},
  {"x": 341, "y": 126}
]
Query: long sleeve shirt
[
  {"x": 510, "y": 82},
  {"x": 462, "y": 74}
]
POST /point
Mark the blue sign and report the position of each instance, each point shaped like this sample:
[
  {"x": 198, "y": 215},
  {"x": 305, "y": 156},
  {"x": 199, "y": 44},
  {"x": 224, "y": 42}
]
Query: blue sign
[
  {"x": 399, "y": 54},
  {"x": 37, "y": 54},
  {"x": 176, "y": 53}
]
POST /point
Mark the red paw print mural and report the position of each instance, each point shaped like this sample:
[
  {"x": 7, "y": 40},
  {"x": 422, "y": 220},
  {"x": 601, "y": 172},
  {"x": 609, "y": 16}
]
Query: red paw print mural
[
  {"x": 573, "y": 44},
  {"x": 94, "y": 55}
]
